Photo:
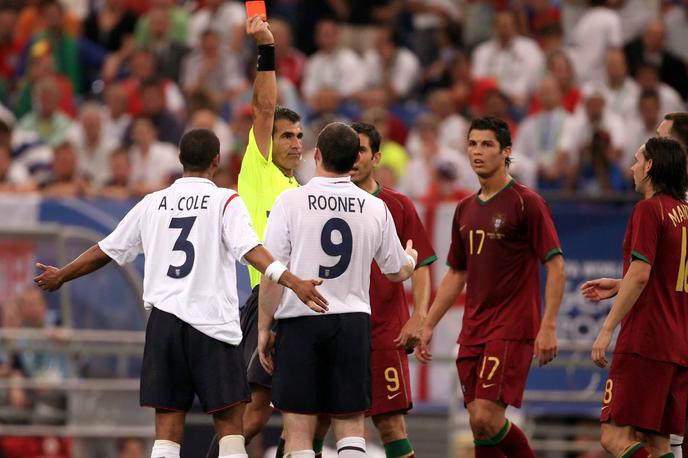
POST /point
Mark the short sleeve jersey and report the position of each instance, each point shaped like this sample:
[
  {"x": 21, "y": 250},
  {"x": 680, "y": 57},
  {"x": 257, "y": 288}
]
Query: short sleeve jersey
[
  {"x": 388, "y": 299},
  {"x": 500, "y": 244},
  {"x": 657, "y": 325},
  {"x": 191, "y": 235},
  {"x": 260, "y": 182},
  {"x": 332, "y": 229}
]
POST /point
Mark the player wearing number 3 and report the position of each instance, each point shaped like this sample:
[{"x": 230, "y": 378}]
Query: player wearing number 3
[
  {"x": 191, "y": 235},
  {"x": 499, "y": 238},
  {"x": 646, "y": 392}
]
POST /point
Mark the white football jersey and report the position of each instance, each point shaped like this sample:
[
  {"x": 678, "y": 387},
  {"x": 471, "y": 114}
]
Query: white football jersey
[
  {"x": 191, "y": 234},
  {"x": 332, "y": 229}
]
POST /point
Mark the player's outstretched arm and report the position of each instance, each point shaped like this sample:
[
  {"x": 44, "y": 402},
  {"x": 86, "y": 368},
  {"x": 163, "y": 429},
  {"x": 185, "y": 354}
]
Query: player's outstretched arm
[
  {"x": 452, "y": 285},
  {"x": 52, "y": 278},
  {"x": 265, "y": 85},
  {"x": 632, "y": 286},
  {"x": 601, "y": 288},
  {"x": 420, "y": 287},
  {"x": 545, "y": 349},
  {"x": 408, "y": 268}
]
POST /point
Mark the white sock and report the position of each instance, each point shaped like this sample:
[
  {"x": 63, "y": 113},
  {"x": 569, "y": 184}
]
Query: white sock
[
  {"x": 165, "y": 449},
  {"x": 301, "y": 454},
  {"x": 232, "y": 447},
  {"x": 676, "y": 442},
  {"x": 351, "y": 447}
]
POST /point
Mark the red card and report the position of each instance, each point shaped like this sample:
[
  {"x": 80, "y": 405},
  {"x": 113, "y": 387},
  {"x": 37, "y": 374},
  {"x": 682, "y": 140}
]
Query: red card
[{"x": 256, "y": 8}]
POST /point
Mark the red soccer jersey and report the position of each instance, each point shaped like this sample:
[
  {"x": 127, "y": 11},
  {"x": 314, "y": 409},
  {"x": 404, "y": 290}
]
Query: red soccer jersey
[
  {"x": 389, "y": 308},
  {"x": 657, "y": 325},
  {"x": 500, "y": 243}
]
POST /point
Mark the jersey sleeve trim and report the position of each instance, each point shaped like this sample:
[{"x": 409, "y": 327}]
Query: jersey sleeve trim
[
  {"x": 427, "y": 261},
  {"x": 553, "y": 252},
  {"x": 228, "y": 201},
  {"x": 636, "y": 255}
]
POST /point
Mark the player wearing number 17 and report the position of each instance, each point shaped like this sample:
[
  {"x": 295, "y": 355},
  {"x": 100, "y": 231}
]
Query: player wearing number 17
[
  {"x": 191, "y": 235},
  {"x": 499, "y": 237},
  {"x": 646, "y": 392}
]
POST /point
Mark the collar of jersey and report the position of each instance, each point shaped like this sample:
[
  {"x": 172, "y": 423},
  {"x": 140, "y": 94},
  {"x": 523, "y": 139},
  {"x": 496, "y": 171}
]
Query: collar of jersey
[
  {"x": 333, "y": 180},
  {"x": 485, "y": 202},
  {"x": 194, "y": 180}
]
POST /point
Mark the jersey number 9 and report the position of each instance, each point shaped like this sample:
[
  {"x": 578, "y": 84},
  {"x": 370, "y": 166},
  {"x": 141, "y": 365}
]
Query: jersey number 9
[{"x": 341, "y": 249}]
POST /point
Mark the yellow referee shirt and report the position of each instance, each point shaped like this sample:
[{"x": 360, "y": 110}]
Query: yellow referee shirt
[{"x": 260, "y": 182}]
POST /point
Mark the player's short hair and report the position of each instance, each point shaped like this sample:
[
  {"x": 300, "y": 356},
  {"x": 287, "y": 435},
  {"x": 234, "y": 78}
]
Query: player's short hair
[
  {"x": 669, "y": 163},
  {"x": 197, "y": 149},
  {"x": 679, "y": 127},
  {"x": 284, "y": 113},
  {"x": 498, "y": 127},
  {"x": 369, "y": 131},
  {"x": 338, "y": 145}
]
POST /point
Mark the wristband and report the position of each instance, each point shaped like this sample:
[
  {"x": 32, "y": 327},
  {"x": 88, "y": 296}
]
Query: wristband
[
  {"x": 275, "y": 271},
  {"x": 266, "y": 58},
  {"x": 413, "y": 261}
]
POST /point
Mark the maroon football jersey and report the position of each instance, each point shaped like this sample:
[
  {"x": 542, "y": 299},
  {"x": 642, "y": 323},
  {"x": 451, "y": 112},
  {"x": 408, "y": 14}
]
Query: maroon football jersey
[
  {"x": 657, "y": 325},
  {"x": 500, "y": 244},
  {"x": 389, "y": 308}
]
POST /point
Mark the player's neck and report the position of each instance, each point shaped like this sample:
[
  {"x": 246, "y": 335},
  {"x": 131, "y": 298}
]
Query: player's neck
[
  {"x": 207, "y": 174},
  {"x": 493, "y": 184},
  {"x": 369, "y": 185},
  {"x": 649, "y": 190},
  {"x": 287, "y": 172}
]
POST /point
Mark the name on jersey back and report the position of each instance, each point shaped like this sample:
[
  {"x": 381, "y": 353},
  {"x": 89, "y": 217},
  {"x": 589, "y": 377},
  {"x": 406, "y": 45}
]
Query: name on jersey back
[
  {"x": 336, "y": 203},
  {"x": 186, "y": 203}
]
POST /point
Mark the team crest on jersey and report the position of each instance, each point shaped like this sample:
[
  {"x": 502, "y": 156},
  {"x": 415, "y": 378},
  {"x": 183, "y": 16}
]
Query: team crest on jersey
[{"x": 498, "y": 222}]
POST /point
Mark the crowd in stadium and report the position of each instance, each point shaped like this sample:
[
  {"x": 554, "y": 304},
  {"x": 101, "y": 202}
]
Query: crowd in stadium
[{"x": 96, "y": 94}]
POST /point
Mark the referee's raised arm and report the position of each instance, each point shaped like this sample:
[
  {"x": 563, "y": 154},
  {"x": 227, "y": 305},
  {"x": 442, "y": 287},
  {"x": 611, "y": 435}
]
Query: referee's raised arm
[{"x": 264, "y": 98}]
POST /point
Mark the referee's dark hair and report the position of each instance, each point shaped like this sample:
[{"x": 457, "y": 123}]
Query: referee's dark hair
[
  {"x": 197, "y": 149},
  {"x": 679, "y": 127},
  {"x": 498, "y": 127},
  {"x": 284, "y": 113},
  {"x": 369, "y": 131},
  {"x": 338, "y": 145},
  {"x": 669, "y": 162}
]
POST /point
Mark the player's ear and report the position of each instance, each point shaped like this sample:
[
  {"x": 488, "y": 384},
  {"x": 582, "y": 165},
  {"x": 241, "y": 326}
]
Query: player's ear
[
  {"x": 317, "y": 156},
  {"x": 376, "y": 158},
  {"x": 215, "y": 162}
]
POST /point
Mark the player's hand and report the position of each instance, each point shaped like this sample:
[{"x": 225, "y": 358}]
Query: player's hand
[
  {"x": 259, "y": 30},
  {"x": 309, "y": 295},
  {"x": 602, "y": 288},
  {"x": 50, "y": 279},
  {"x": 599, "y": 348},
  {"x": 411, "y": 252},
  {"x": 266, "y": 344},
  {"x": 545, "y": 349},
  {"x": 410, "y": 334},
  {"x": 422, "y": 350}
]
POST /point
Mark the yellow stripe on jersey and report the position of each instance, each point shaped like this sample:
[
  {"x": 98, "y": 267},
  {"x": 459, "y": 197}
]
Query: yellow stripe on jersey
[{"x": 260, "y": 182}]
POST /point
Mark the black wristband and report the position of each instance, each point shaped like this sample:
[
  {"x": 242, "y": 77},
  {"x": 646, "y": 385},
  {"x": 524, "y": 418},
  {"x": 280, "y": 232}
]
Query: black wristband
[{"x": 266, "y": 58}]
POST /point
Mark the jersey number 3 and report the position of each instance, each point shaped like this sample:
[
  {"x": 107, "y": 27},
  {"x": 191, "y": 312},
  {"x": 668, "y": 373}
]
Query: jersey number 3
[
  {"x": 183, "y": 244},
  {"x": 341, "y": 249}
]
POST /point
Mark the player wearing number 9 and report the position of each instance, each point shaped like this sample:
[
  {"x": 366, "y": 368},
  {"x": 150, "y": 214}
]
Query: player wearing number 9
[
  {"x": 647, "y": 388},
  {"x": 194, "y": 305}
]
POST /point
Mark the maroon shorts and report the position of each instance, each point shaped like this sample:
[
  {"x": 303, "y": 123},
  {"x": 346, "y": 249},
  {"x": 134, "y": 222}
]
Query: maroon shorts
[
  {"x": 646, "y": 394},
  {"x": 495, "y": 371},
  {"x": 391, "y": 382}
]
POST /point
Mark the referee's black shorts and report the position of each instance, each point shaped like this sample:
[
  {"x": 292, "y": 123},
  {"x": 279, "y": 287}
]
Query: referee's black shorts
[
  {"x": 249, "y": 345},
  {"x": 322, "y": 364},
  {"x": 180, "y": 361}
]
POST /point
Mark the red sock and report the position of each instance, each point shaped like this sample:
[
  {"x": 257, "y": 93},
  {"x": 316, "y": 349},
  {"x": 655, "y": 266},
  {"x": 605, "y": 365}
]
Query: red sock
[
  {"x": 515, "y": 444},
  {"x": 488, "y": 452}
]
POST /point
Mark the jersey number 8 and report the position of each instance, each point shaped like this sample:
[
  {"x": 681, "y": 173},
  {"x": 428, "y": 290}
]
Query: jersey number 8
[{"x": 341, "y": 249}]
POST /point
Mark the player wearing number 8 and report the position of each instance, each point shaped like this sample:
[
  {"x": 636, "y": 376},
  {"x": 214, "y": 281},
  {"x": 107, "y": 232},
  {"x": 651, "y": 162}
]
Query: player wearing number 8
[
  {"x": 191, "y": 234},
  {"x": 647, "y": 389}
]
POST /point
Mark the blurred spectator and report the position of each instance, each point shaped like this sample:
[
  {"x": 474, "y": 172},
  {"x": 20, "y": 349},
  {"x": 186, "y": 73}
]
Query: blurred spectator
[
  {"x": 540, "y": 133},
  {"x": 649, "y": 48},
  {"x": 64, "y": 179},
  {"x": 41, "y": 66},
  {"x": 676, "y": 23},
  {"x": 647, "y": 77},
  {"x": 642, "y": 126},
  {"x": 540, "y": 17},
  {"x": 130, "y": 447},
  {"x": 499, "y": 105},
  {"x": 621, "y": 92},
  {"x": 116, "y": 120},
  {"x": 597, "y": 31},
  {"x": 118, "y": 185},
  {"x": 9, "y": 48},
  {"x": 332, "y": 74},
  {"x": 514, "y": 61},
  {"x": 435, "y": 171},
  {"x": 551, "y": 38},
  {"x": 207, "y": 119},
  {"x": 560, "y": 67},
  {"x": 92, "y": 143},
  {"x": 226, "y": 18},
  {"x": 362, "y": 19},
  {"x": 289, "y": 60},
  {"x": 45, "y": 121},
  {"x": 168, "y": 53},
  {"x": 390, "y": 66},
  {"x": 153, "y": 106},
  {"x": 178, "y": 21},
  {"x": 451, "y": 127},
  {"x": 213, "y": 70},
  {"x": 593, "y": 141},
  {"x": 32, "y": 19},
  {"x": 14, "y": 177},
  {"x": 394, "y": 156},
  {"x": 438, "y": 72},
  {"x": 153, "y": 163},
  {"x": 635, "y": 15},
  {"x": 110, "y": 26},
  {"x": 428, "y": 17},
  {"x": 468, "y": 93}
]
